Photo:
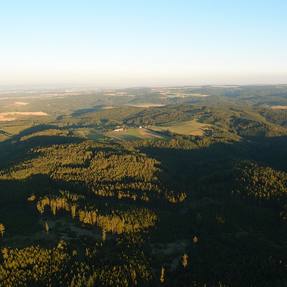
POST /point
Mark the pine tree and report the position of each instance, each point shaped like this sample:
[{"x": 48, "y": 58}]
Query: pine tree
[
  {"x": 162, "y": 275},
  {"x": 2, "y": 229},
  {"x": 46, "y": 226},
  {"x": 184, "y": 260}
]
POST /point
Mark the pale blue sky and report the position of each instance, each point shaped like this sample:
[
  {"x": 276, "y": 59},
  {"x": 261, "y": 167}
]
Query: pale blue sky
[{"x": 142, "y": 42}]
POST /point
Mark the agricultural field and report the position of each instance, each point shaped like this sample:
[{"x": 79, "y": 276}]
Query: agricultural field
[
  {"x": 189, "y": 128},
  {"x": 12, "y": 116},
  {"x": 134, "y": 134}
]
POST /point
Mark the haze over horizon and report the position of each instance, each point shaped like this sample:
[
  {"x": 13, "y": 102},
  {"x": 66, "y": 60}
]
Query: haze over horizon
[{"x": 142, "y": 43}]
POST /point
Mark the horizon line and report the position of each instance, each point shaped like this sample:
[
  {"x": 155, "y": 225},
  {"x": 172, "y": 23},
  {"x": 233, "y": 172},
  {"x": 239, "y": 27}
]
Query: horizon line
[{"x": 103, "y": 87}]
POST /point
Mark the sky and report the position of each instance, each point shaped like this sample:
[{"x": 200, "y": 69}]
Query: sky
[{"x": 121, "y": 43}]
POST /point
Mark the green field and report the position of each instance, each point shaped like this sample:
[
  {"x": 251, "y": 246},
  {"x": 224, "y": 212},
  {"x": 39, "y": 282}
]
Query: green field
[
  {"x": 192, "y": 127},
  {"x": 134, "y": 134}
]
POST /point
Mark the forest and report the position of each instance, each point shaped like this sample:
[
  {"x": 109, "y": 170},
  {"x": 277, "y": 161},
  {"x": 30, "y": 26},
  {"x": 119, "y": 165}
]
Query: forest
[{"x": 146, "y": 188}]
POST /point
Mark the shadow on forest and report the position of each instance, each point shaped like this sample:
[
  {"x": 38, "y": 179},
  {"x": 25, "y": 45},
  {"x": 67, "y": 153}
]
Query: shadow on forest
[
  {"x": 34, "y": 129},
  {"x": 82, "y": 112},
  {"x": 191, "y": 168},
  {"x": 13, "y": 150},
  {"x": 236, "y": 237},
  {"x": 181, "y": 169},
  {"x": 15, "y": 210}
]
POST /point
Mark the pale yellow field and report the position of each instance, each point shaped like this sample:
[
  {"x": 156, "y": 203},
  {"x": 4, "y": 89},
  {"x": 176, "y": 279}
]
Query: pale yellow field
[
  {"x": 147, "y": 105},
  {"x": 12, "y": 116},
  {"x": 279, "y": 107},
  {"x": 107, "y": 107},
  {"x": 20, "y": 104}
]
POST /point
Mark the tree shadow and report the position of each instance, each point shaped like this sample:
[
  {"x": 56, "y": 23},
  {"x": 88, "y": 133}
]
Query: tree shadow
[
  {"x": 14, "y": 151},
  {"x": 192, "y": 169}
]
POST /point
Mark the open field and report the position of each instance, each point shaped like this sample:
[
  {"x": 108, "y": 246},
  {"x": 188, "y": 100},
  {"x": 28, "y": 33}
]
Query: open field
[
  {"x": 146, "y": 105},
  {"x": 193, "y": 128},
  {"x": 134, "y": 134},
  {"x": 279, "y": 107},
  {"x": 12, "y": 116},
  {"x": 183, "y": 95},
  {"x": 8, "y": 129},
  {"x": 21, "y": 103},
  {"x": 88, "y": 133}
]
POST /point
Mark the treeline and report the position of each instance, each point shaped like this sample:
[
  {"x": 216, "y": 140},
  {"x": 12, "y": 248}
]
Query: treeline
[{"x": 132, "y": 220}]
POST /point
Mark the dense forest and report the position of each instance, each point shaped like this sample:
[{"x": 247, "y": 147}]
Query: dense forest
[{"x": 111, "y": 191}]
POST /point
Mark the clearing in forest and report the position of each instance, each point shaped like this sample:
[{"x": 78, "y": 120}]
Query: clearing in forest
[
  {"x": 133, "y": 134},
  {"x": 192, "y": 127}
]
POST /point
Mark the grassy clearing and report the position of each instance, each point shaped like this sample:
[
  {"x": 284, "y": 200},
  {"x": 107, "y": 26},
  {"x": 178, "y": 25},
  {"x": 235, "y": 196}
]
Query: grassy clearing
[
  {"x": 88, "y": 133},
  {"x": 193, "y": 128},
  {"x": 46, "y": 133},
  {"x": 8, "y": 129},
  {"x": 134, "y": 134}
]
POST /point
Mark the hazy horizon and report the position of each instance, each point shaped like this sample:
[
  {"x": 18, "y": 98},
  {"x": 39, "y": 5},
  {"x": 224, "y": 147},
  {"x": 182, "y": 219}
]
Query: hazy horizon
[{"x": 116, "y": 44}]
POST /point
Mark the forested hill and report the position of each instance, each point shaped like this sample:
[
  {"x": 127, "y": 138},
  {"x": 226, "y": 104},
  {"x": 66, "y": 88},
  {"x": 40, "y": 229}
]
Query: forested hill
[{"x": 146, "y": 187}]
